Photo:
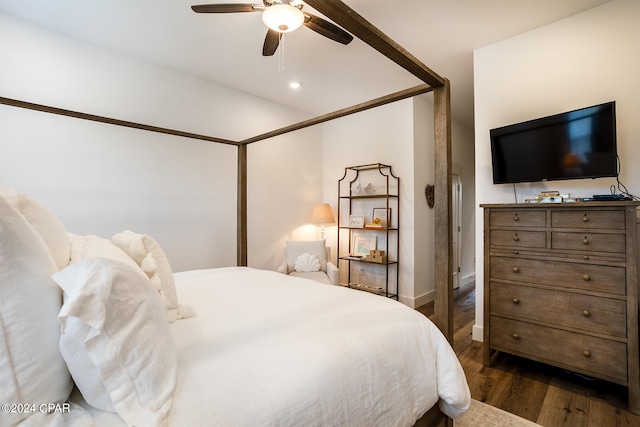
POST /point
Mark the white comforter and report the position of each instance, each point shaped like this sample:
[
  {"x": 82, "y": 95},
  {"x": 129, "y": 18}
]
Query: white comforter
[{"x": 266, "y": 349}]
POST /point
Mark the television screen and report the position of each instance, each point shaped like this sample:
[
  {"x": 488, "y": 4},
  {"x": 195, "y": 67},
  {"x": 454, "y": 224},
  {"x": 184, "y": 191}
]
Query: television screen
[{"x": 572, "y": 145}]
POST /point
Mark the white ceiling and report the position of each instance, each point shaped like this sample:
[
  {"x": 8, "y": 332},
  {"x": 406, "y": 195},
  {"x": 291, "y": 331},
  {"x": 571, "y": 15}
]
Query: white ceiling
[{"x": 226, "y": 48}]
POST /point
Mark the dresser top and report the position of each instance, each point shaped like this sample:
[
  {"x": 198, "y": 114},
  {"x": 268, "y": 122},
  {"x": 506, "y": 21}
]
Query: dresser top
[{"x": 582, "y": 205}]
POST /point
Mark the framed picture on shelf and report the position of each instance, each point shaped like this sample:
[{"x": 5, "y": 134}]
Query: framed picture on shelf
[
  {"x": 362, "y": 245},
  {"x": 381, "y": 217},
  {"x": 356, "y": 221}
]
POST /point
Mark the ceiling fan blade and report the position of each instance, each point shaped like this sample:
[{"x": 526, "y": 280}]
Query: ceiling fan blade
[
  {"x": 227, "y": 8},
  {"x": 271, "y": 42},
  {"x": 327, "y": 29}
]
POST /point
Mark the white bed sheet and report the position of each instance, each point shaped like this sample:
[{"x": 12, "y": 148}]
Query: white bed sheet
[{"x": 266, "y": 349}]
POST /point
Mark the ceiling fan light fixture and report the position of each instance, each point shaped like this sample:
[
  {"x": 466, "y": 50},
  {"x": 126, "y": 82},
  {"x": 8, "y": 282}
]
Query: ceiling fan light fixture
[{"x": 283, "y": 18}]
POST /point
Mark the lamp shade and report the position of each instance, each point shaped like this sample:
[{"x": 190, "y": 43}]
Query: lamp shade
[
  {"x": 322, "y": 214},
  {"x": 283, "y": 18}
]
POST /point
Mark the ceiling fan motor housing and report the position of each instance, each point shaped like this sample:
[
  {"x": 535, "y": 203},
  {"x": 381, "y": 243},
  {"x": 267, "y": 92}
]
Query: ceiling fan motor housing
[{"x": 282, "y": 16}]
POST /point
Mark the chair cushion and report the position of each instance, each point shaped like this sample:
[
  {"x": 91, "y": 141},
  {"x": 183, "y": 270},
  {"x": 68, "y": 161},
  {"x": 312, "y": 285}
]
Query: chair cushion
[
  {"x": 295, "y": 248},
  {"x": 306, "y": 263}
]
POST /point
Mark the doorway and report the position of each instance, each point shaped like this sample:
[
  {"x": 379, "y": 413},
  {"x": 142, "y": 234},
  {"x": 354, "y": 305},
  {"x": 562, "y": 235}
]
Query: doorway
[{"x": 456, "y": 221}]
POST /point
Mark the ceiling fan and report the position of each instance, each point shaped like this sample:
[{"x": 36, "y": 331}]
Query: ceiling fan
[{"x": 281, "y": 16}]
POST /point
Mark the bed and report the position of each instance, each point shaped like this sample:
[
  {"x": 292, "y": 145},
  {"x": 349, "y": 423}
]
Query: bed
[{"x": 99, "y": 331}]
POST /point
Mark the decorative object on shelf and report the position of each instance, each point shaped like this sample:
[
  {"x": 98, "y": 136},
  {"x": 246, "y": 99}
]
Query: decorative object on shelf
[
  {"x": 356, "y": 221},
  {"x": 376, "y": 256},
  {"x": 369, "y": 189},
  {"x": 359, "y": 190},
  {"x": 322, "y": 215},
  {"x": 380, "y": 218},
  {"x": 429, "y": 192},
  {"x": 362, "y": 244}
]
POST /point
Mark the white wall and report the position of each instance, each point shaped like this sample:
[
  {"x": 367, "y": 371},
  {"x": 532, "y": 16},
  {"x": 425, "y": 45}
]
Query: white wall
[
  {"x": 580, "y": 61},
  {"x": 100, "y": 179},
  {"x": 285, "y": 176}
]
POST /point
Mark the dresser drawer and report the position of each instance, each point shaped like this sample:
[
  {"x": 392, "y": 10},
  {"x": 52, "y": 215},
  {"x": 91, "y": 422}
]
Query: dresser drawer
[
  {"x": 561, "y": 348},
  {"x": 519, "y": 238},
  {"x": 593, "y": 242},
  {"x": 588, "y": 219},
  {"x": 519, "y": 218},
  {"x": 590, "y": 313},
  {"x": 597, "y": 278}
]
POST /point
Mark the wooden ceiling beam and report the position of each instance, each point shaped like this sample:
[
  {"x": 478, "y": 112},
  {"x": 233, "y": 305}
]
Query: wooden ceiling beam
[
  {"x": 397, "y": 96},
  {"x": 355, "y": 24},
  {"x": 111, "y": 121}
]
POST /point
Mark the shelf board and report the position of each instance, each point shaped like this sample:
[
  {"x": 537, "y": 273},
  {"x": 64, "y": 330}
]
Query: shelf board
[
  {"x": 342, "y": 227},
  {"x": 370, "y": 196},
  {"x": 368, "y": 262},
  {"x": 375, "y": 291}
]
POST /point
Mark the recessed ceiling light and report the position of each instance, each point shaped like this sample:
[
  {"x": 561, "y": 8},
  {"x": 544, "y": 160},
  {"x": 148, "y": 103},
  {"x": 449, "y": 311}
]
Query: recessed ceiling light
[{"x": 294, "y": 85}]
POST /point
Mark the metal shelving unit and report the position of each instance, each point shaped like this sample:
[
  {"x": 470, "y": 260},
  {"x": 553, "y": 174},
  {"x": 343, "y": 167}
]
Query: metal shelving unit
[{"x": 365, "y": 188}]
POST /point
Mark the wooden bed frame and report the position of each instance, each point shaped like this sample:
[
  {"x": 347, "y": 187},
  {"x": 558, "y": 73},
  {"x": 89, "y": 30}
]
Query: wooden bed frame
[{"x": 355, "y": 24}]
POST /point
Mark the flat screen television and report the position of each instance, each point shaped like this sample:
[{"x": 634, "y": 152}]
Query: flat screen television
[{"x": 572, "y": 145}]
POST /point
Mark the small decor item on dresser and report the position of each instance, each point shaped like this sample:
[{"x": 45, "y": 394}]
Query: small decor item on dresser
[{"x": 376, "y": 256}]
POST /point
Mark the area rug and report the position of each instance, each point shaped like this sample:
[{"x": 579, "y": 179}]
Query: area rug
[{"x": 482, "y": 415}]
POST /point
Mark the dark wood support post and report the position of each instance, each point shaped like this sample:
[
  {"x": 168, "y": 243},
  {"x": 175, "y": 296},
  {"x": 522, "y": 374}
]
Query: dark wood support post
[
  {"x": 242, "y": 205},
  {"x": 443, "y": 304}
]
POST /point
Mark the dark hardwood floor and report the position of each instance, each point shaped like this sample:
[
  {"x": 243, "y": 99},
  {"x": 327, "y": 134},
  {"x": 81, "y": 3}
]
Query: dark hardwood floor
[{"x": 546, "y": 395}]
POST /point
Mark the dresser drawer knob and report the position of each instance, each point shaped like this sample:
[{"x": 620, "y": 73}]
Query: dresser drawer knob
[
  {"x": 586, "y": 313},
  {"x": 515, "y": 218},
  {"x": 516, "y": 238},
  {"x": 586, "y": 277},
  {"x": 585, "y": 240},
  {"x": 586, "y": 353},
  {"x": 585, "y": 218},
  {"x": 516, "y": 270},
  {"x": 516, "y": 301},
  {"x": 516, "y": 252},
  {"x": 586, "y": 257},
  {"x": 516, "y": 336}
]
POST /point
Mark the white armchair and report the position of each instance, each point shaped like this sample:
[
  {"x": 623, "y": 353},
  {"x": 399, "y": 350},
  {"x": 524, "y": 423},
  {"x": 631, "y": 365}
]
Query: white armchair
[{"x": 310, "y": 259}]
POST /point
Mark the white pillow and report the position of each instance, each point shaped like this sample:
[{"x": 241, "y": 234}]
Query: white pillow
[
  {"x": 295, "y": 248},
  {"x": 95, "y": 246},
  {"x": 307, "y": 263},
  {"x": 116, "y": 340},
  {"x": 138, "y": 246},
  {"x": 31, "y": 367},
  {"x": 50, "y": 229}
]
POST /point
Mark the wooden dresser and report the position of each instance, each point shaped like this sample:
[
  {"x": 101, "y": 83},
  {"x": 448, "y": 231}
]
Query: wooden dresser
[{"x": 561, "y": 287}]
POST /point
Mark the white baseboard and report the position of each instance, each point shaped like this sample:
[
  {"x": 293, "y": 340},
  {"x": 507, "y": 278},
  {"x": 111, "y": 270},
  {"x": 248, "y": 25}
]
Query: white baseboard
[
  {"x": 465, "y": 280},
  {"x": 417, "y": 302},
  {"x": 428, "y": 297},
  {"x": 477, "y": 333}
]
